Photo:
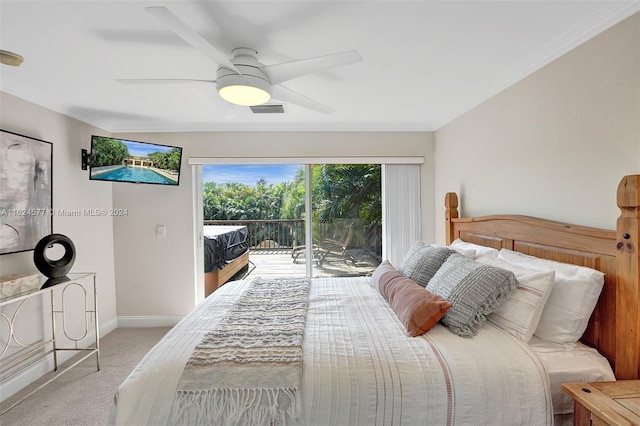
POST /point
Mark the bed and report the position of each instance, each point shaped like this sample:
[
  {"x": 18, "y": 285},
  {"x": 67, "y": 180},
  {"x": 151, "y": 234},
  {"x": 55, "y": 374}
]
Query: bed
[
  {"x": 226, "y": 252},
  {"x": 359, "y": 365}
]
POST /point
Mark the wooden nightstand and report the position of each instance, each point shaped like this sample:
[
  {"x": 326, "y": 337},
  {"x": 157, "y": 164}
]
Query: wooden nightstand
[{"x": 605, "y": 403}]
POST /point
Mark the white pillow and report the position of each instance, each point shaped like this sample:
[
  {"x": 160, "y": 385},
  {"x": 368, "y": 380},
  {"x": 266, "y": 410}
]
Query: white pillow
[
  {"x": 573, "y": 298},
  {"x": 521, "y": 312},
  {"x": 466, "y": 252},
  {"x": 479, "y": 250}
]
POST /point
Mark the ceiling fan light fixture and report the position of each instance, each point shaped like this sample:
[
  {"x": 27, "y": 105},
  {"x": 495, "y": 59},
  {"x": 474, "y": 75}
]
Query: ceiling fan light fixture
[
  {"x": 244, "y": 95},
  {"x": 249, "y": 89}
]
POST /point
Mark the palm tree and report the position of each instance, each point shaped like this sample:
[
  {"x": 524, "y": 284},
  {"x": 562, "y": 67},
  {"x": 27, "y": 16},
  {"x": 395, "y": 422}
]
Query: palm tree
[{"x": 347, "y": 195}]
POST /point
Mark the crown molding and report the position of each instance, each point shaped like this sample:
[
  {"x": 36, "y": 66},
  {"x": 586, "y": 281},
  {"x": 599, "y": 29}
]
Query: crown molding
[{"x": 267, "y": 127}]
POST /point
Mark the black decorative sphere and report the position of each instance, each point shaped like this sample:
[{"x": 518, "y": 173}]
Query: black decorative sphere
[{"x": 54, "y": 268}]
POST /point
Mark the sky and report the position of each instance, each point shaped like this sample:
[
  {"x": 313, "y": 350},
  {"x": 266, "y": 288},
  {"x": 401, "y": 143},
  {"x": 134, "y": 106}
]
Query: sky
[
  {"x": 143, "y": 149},
  {"x": 249, "y": 174}
]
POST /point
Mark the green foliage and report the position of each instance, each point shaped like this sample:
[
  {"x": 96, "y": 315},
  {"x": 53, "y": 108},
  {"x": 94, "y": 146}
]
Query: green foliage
[
  {"x": 344, "y": 194},
  {"x": 237, "y": 201},
  {"x": 347, "y": 195},
  {"x": 107, "y": 152},
  {"x": 293, "y": 197},
  {"x": 338, "y": 192},
  {"x": 347, "y": 191},
  {"x": 169, "y": 160}
]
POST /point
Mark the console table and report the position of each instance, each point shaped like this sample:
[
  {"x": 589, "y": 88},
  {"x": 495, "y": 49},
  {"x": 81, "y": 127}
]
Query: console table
[{"x": 17, "y": 355}]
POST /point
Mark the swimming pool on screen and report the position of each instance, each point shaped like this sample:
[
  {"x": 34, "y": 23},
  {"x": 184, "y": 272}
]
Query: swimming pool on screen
[{"x": 135, "y": 174}]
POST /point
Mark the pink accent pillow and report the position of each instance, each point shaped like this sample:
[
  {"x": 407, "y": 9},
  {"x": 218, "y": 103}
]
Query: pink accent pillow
[{"x": 417, "y": 308}]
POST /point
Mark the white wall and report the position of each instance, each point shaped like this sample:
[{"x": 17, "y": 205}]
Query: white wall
[
  {"x": 91, "y": 235},
  {"x": 155, "y": 276},
  {"x": 555, "y": 144}
]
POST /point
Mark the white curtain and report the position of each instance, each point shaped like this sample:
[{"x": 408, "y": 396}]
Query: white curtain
[{"x": 401, "y": 225}]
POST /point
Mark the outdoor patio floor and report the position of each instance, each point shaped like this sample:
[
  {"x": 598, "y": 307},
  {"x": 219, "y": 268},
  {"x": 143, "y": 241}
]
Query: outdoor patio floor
[{"x": 278, "y": 262}]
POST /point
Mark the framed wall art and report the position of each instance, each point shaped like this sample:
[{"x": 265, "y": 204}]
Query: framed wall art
[{"x": 27, "y": 194}]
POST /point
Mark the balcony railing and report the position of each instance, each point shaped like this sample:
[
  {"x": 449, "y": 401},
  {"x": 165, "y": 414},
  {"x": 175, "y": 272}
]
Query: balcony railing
[
  {"x": 267, "y": 234},
  {"x": 284, "y": 234}
]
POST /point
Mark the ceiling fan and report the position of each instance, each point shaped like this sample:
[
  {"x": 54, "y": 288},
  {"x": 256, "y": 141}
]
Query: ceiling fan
[{"x": 243, "y": 80}]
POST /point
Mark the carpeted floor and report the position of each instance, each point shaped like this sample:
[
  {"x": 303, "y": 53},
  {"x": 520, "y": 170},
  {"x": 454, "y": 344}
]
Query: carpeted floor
[{"x": 82, "y": 396}]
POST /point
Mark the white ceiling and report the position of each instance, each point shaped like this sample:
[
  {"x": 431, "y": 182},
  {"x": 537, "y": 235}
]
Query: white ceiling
[{"x": 424, "y": 62}]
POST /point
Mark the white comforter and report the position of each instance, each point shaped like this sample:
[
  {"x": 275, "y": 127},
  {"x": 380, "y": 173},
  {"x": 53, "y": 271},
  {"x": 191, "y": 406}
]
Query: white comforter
[{"x": 361, "y": 368}]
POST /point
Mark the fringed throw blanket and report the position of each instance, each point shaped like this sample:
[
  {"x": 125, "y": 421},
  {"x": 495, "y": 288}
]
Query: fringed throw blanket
[{"x": 248, "y": 369}]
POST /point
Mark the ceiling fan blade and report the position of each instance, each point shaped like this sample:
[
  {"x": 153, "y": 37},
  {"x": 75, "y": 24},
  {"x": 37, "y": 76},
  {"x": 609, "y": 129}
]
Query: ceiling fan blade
[
  {"x": 190, "y": 36},
  {"x": 279, "y": 73},
  {"x": 161, "y": 80},
  {"x": 281, "y": 93}
]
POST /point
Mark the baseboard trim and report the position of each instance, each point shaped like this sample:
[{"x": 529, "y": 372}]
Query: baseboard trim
[
  {"x": 107, "y": 327},
  {"x": 148, "y": 321}
]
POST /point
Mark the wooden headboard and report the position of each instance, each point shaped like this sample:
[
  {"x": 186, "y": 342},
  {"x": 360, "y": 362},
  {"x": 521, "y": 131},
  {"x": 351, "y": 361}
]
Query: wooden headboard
[{"x": 614, "y": 328}]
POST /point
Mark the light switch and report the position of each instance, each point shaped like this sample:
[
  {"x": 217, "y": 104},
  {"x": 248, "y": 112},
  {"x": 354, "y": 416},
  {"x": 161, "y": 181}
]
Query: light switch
[{"x": 161, "y": 231}]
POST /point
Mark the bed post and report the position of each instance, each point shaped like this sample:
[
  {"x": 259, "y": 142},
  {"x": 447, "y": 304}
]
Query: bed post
[
  {"x": 628, "y": 285},
  {"x": 451, "y": 212}
]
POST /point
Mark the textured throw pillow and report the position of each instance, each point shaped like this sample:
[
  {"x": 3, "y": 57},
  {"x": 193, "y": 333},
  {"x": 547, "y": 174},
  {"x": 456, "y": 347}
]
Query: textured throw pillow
[
  {"x": 521, "y": 312},
  {"x": 572, "y": 300},
  {"x": 479, "y": 250},
  {"x": 415, "y": 307},
  {"x": 422, "y": 261},
  {"x": 475, "y": 290}
]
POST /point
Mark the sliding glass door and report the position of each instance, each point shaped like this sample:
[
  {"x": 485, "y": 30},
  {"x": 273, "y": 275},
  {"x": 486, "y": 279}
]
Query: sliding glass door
[
  {"x": 268, "y": 201},
  {"x": 344, "y": 202}
]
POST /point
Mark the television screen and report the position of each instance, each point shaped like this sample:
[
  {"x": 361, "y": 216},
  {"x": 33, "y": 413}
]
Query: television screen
[{"x": 120, "y": 160}]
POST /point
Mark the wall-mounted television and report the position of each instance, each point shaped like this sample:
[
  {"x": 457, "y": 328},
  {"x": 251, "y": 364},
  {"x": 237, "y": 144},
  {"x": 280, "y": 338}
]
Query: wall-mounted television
[{"x": 121, "y": 160}]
